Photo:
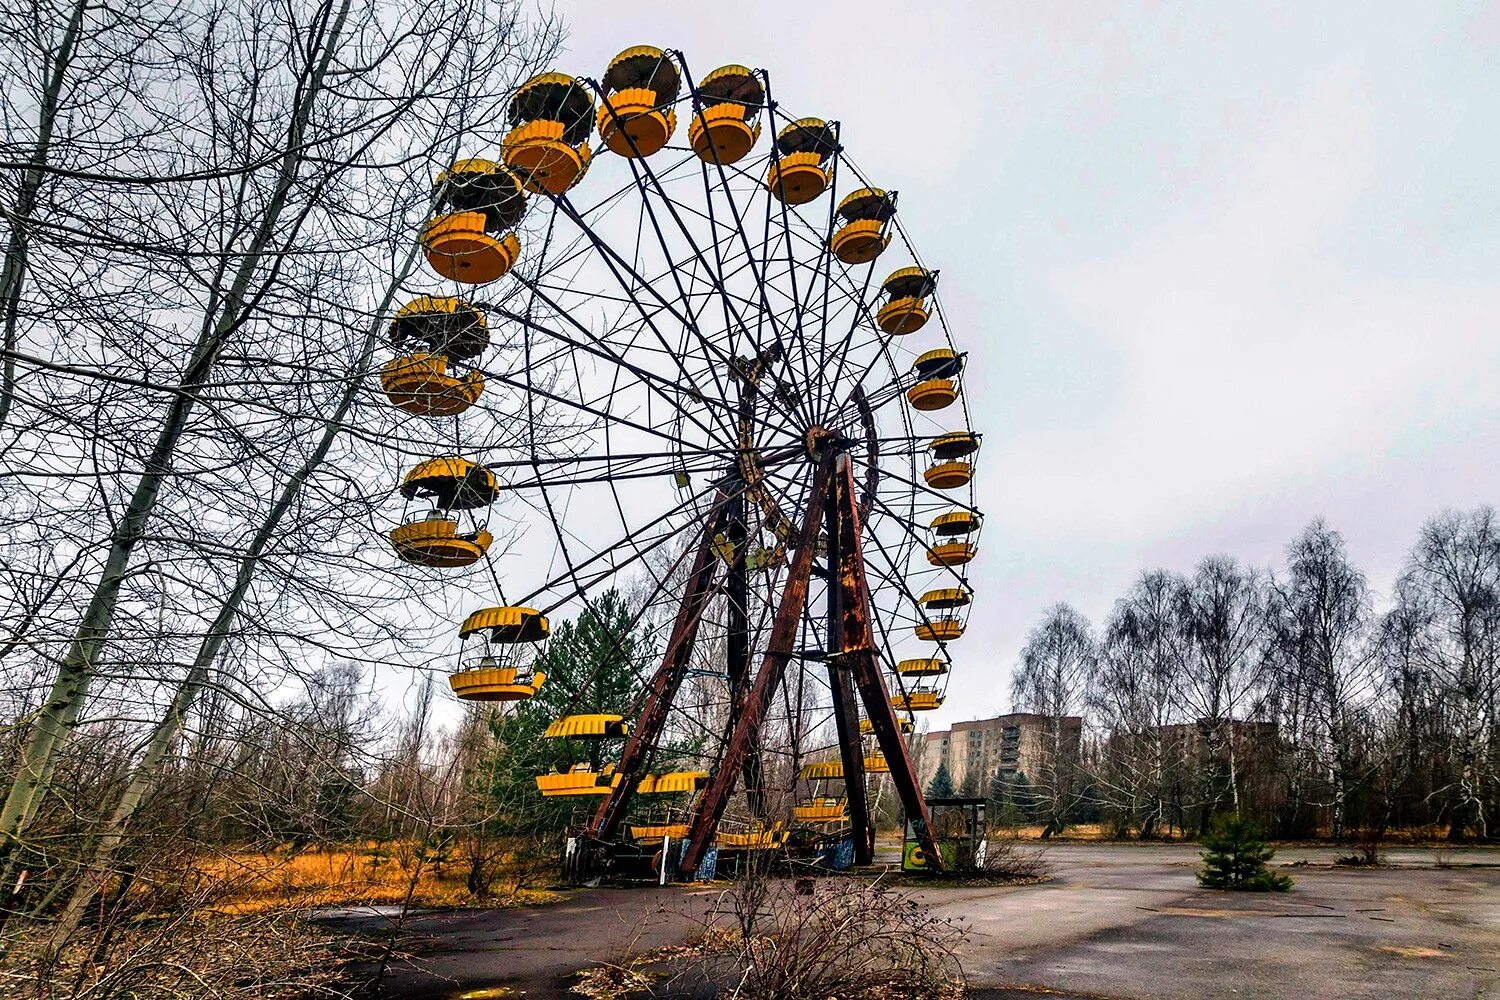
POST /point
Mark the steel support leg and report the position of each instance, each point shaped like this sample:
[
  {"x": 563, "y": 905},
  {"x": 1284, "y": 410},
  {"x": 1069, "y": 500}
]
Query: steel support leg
[
  {"x": 858, "y": 639},
  {"x": 779, "y": 649},
  {"x": 841, "y": 684},
  {"x": 667, "y": 679},
  {"x": 737, "y": 647}
]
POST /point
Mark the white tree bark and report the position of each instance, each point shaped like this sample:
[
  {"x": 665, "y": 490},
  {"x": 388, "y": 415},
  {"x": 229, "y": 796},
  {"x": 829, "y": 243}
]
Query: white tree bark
[
  {"x": 19, "y": 215},
  {"x": 164, "y": 735},
  {"x": 69, "y": 692}
]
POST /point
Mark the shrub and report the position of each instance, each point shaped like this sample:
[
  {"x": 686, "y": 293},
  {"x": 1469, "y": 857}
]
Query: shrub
[
  {"x": 1367, "y": 850},
  {"x": 847, "y": 938},
  {"x": 1006, "y": 861}
]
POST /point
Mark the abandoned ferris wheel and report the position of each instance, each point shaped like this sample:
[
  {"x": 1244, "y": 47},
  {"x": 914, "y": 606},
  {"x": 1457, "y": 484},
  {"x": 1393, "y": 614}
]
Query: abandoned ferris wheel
[{"x": 760, "y": 387}]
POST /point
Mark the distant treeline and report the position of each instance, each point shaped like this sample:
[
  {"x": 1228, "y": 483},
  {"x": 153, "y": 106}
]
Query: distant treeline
[{"x": 1284, "y": 694}]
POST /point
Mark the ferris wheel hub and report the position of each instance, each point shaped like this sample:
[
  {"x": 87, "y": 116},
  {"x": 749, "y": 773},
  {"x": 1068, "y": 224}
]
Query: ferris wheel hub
[{"x": 818, "y": 440}]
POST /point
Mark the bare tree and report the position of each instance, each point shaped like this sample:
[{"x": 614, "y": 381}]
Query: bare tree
[
  {"x": 1323, "y": 679},
  {"x": 1223, "y": 615},
  {"x": 1057, "y": 663},
  {"x": 1404, "y": 657},
  {"x": 1454, "y": 571},
  {"x": 316, "y": 122},
  {"x": 1130, "y": 697},
  {"x": 193, "y": 483}
]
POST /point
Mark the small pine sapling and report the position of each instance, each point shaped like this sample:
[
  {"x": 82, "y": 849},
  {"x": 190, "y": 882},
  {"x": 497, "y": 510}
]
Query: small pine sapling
[{"x": 1235, "y": 857}]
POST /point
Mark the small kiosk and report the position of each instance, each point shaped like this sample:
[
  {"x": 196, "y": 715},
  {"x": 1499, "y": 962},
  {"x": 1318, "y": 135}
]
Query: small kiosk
[{"x": 958, "y": 827}]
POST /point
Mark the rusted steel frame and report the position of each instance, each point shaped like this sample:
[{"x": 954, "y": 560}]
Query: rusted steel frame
[
  {"x": 859, "y": 640},
  {"x": 779, "y": 649},
  {"x": 668, "y": 677},
  {"x": 737, "y": 645},
  {"x": 841, "y": 682}
]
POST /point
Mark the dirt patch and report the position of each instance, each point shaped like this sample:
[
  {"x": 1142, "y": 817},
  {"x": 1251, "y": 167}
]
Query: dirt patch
[
  {"x": 1409, "y": 951},
  {"x": 1199, "y": 911}
]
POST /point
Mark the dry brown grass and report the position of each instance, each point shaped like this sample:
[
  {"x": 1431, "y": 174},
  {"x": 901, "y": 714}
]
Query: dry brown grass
[
  {"x": 196, "y": 955},
  {"x": 1071, "y": 832},
  {"x": 356, "y": 874}
]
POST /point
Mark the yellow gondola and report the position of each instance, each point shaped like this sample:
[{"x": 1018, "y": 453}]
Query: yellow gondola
[
  {"x": 952, "y": 538},
  {"x": 499, "y": 674},
  {"x": 862, "y": 237},
  {"x": 949, "y": 467},
  {"x": 939, "y": 629},
  {"x": 552, "y": 117},
  {"x": 654, "y": 833},
  {"x": 905, "y": 309},
  {"x": 728, "y": 125},
  {"x": 671, "y": 783},
  {"x": 488, "y": 681},
  {"x": 946, "y": 598},
  {"x": 471, "y": 240},
  {"x": 822, "y": 770},
  {"x": 440, "y": 324},
  {"x": 451, "y": 483},
  {"x": 937, "y": 374},
  {"x": 587, "y": 727},
  {"x": 421, "y": 384},
  {"x": 919, "y": 700},
  {"x": 948, "y": 624},
  {"x": 798, "y": 174},
  {"x": 821, "y": 809},
  {"x": 580, "y": 779},
  {"x": 507, "y": 624},
  {"x": 932, "y": 666},
  {"x": 591, "y": 727},
  {"x": 635, "y": 118},
  {"x": 867, "y": 728},
  {"x": 437, "y": 331},
  {"x": 433, "y": 539},
  {"x": 754, "y": 839}
]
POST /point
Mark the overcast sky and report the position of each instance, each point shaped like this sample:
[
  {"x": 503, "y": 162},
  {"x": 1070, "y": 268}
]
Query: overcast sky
[{"x": 1221, "y": 268}]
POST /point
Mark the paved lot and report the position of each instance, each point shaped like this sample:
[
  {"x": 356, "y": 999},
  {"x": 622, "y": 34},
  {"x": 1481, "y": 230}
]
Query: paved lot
[
  {"x": 1130, "y": 922},
  {"x": 1123, "y": 922},
  {"x": 533, "y": 950}
]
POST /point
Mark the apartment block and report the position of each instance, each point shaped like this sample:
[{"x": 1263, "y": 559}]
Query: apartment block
[{"x": 1019, "y": 742}]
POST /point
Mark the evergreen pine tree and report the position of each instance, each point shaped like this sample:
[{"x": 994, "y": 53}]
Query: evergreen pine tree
[
  {"x": 591, "y": 664},
  {"x": 1004, "y": 809},
  {"x": 941, "y": 786},
  {"x": 1235, "y": 857}
]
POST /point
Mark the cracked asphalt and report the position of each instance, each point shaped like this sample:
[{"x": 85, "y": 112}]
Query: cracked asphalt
[
  {"x": 1130, "y": 922},
  {"x": 1121, "y": 922}
]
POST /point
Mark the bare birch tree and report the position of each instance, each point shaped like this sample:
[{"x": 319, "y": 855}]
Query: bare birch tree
[
  {"x": 1323, "y": 680},
  {"x": 1455, "y": 568},
  {"x": 275, "y": 222},
  {"x": 1223, "y": 615},
  {"x": 1057, "y": 663},
  {"x": 1130, "y": 697}
]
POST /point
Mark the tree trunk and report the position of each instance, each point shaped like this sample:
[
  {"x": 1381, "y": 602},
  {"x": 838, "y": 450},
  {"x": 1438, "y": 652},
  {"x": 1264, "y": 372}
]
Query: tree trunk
[
  {"x": 13, "y": 269},
  {"x": 69, "y": 691},
  {"x": 143, "y": 778}
]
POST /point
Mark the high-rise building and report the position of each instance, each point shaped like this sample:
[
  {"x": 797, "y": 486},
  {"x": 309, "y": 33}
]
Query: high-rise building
[{"x": 976, "y": 751}]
